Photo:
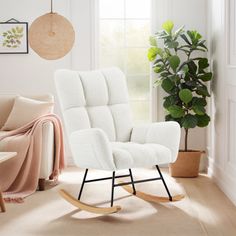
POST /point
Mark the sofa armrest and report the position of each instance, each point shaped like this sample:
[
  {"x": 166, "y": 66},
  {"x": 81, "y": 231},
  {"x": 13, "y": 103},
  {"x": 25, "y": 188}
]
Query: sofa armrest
[
  {"x": 164, "y": 133},
  {"x": 91, "y": 149},
  {"x": 47, "y": 150}
]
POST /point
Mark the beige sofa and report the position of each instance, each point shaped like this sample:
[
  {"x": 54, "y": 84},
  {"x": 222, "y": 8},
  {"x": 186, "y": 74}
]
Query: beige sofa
[{"x": 6, "y": 104}]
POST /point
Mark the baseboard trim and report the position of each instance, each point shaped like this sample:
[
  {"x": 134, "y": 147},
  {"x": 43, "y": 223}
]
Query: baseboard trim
[{"x": 226, "y": 183}]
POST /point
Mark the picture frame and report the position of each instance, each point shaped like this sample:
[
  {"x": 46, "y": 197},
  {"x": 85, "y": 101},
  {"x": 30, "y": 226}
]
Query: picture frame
[{"x": 14, "y": 37}]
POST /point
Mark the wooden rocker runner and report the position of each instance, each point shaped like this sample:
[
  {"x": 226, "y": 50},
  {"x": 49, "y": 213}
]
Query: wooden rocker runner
[
  {"x": 113, "y": 209},
  {"x": 86, "y": 207},
  {"x": 101, "y": 134},
  {"x": 153, "y": 198}
]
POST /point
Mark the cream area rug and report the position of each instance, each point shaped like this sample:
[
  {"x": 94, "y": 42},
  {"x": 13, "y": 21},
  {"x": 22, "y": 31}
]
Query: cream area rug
[{"x": 204, "y": 211}]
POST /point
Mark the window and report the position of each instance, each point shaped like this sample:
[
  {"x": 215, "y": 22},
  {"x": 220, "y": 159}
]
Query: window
[{"x": 124, "y": 29}]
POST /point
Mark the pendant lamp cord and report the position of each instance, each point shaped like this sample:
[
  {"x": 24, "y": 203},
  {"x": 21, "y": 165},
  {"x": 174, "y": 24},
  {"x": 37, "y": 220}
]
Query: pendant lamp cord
[{"x": 51, "y": 6}]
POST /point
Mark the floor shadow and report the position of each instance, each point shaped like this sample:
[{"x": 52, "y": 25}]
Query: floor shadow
[{"x": 137, "y": 217}]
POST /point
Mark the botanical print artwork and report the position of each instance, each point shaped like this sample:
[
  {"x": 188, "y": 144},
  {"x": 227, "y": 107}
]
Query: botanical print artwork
[{"x": 13, "y": 37}]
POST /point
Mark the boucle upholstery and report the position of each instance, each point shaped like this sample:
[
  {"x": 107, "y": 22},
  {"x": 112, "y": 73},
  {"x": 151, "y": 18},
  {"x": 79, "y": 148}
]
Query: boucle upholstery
[{"x": 98, "y": 121}]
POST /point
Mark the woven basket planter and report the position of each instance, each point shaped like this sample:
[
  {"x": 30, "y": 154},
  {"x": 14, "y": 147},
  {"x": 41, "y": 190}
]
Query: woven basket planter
[{"x": 186, "y": 165}]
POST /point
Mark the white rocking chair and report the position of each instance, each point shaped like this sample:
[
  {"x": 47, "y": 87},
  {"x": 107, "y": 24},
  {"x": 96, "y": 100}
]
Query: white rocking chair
[{"x": 97, "y": 117}]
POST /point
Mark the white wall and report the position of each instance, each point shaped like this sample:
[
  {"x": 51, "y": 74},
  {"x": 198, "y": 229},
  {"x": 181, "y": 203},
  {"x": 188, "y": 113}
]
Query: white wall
[
  {"x": 82, "y": 15},
  {"x": 222, "y": 165},
  {"x": 28, "y": 73}
]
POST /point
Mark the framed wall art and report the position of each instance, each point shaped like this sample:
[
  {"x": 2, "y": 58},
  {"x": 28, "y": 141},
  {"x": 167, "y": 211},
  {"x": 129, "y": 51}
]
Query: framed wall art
[{"x": 14, "y": 37}]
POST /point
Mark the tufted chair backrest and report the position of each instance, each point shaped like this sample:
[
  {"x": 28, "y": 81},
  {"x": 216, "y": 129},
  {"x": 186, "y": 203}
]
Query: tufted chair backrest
[{"x": 95, "y": 99}]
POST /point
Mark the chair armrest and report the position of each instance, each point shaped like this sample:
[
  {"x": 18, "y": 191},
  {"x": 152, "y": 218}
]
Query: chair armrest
[
  {"x": 164, "y": 133},
  {"x": 91, "y": 149},
  {"x": 47, "y": 150}
]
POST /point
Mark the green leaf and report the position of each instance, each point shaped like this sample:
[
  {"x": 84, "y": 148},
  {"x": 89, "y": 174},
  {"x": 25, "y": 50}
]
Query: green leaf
[
  {"x": 174, "y": 62},
  {"x": 169, "y": 101},
  {"x": 185, "y": 95},
  {"x": 202, "y": 44},
  {"x": 172, "y": 44},
  {"x": 203, "y": 63},
  {"x": 167, "y": 53},
  {"x": 164, "y": 74},
  {"x": 158, "y": 69},
  {"x": 178, "y": 32},
  {"x": 184, "y": 37},
  {"x": 176, "y": 111},
  {"x": 185, "y": 68},
  {"x": 157, "y": 61},
  {"x": 168, "y": 26},
  {"x": 196, "y": 101},
  {"x": 189, "y": 121},
  {"x": 199, "y": 110},
  {"x": 194, "y": 36},
  {"x": 192, "y": 67},
  {"x": 160, "y": 52},
  {"x": 206, "y": 76},
  {"x": 163, "y": 35},
  {"x": 167, "y": 84},
  {"x": 197, "y": 36},
  {"x": 173, "y": 78},
  {"x": 153, "y": 41},
  {"x": 170, "y": 118},
  {"x": 203, "y": 121},
  {"x": 152, "y": 53},
  {"x": 202, "y": 90}
]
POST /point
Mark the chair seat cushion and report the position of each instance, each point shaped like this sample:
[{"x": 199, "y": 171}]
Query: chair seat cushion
[{"x": 132, "y": 155}]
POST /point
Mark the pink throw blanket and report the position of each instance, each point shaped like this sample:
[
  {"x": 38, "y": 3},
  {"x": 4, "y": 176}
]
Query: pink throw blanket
[{"x": 19, "y": 175}]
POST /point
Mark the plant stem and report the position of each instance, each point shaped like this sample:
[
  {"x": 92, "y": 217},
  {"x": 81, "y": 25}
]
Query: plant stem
[{"x": 186, "y": 140}]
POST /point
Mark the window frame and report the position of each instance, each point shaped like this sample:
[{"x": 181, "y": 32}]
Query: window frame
[{"x": 154, "y": 103}]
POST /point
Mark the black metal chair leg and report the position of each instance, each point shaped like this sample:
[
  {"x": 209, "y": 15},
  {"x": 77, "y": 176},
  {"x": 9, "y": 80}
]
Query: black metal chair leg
[
  {"x": 163, "y": 181},
  {"x": 132, "y": 180},
  {"x": 112, "y": 187},
  {"x": 82, "y": 186}
]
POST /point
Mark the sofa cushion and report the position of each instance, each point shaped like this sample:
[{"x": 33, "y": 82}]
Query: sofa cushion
[
  {"x": 132, "y": 155},
  {"x": 6, "y": 104},
  {"x": 24, "y": 111}
]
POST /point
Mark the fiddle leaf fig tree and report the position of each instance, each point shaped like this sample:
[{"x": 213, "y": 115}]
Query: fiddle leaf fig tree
[{"x": 182, "y": 75}]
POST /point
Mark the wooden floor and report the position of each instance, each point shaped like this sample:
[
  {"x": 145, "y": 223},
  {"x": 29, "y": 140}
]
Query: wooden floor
[
  {"x": 214, "y": 211},
  {"x": 204, "y": 211}
]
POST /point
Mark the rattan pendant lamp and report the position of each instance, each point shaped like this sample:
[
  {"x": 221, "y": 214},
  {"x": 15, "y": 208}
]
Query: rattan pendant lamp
[{"x": 51, "y": 35}]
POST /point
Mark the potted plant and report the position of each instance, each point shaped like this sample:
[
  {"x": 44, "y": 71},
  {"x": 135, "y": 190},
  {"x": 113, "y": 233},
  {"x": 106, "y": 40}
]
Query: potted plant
[{"x": 183, "y": 75}]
